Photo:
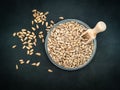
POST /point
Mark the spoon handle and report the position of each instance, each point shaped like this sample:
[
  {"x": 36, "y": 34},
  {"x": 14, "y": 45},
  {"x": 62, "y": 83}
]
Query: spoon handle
[{"x": 100, "y": 27}]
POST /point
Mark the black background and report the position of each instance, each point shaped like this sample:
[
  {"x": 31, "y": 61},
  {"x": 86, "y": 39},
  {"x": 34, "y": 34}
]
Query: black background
[{"x": 102, "y": 73}]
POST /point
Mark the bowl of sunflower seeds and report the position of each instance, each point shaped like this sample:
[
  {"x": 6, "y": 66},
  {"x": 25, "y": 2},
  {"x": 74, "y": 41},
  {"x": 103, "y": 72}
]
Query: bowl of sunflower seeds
[{"x": 65, "y": 48}]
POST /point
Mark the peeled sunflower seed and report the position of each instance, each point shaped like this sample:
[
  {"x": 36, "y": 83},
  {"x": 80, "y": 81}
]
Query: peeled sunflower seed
[
  {"x": 42, "y": 22},
  {"x": 16, "y": 67},
  {"x": 27, "y": 47},
  {"x": 47, "y": 30},
  {"x": 46, "y": 24},
  {"x": 33, "y": 28},
  {"x": 24, "y": 33},
  {"x": 29, "y": 41},
  {"x": 49, "y": 70},
  {"x": 34, "y": 10},
  {"x": 23, "y": 47},
  {"x": 14, "y": 46},
  {"x": 28, "y": 52},
  {"x": 24, "y": 43},
  {"x": 14, "y": 34},
  {"x": 41, "y": 32},
  {"x": 37, "y": 26},
  {"x": 34, "y": 43},
  {"x": 23, "y": 30},
  {"x": 41, "y": 36},
  {"x": 35, "y": 21},
  {"x": 31, "y": 50},
  {"x": 52, "y": 21},
  {"x": 37, "y": 64},
  {"x": 28, "y": 61},
  {"x": 32, "y": 22},
  {"x": 38, "y": 54},
  {"x": 61, "y": 18},
  {"x": 25, "y": 38},
  {"x": 41, "y": 13},
  {"x": 46, "y": 13},
  {"x": 31, "y": 53},
  {"x": 49, "y": 27},
  {"x": 35, "y": 40},
  {"x": 33, "y": 64},
  {"x": 30, "y": 45},
  {"x": 43, "y": 40},
  {"x": 34, "y": 37},
  {"x": 28, "y": 32},
  {"x": 39, "y": 21},
  {"x": 21, "y": 60}
]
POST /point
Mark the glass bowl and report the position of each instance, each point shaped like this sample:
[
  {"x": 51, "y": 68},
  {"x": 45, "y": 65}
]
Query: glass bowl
[{"x": 59, "y": 66}]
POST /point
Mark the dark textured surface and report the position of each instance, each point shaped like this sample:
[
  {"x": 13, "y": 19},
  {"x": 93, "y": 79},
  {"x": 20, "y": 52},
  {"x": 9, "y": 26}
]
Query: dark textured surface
[{"x": 102, "y": 73}]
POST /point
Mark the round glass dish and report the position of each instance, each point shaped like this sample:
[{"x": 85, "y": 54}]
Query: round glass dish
[{"x": 59, "y": 66}]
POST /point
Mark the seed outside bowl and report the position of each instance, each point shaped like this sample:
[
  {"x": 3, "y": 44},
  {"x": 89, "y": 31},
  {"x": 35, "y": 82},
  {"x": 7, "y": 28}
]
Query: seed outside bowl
[{"x": 59, "y": 66}]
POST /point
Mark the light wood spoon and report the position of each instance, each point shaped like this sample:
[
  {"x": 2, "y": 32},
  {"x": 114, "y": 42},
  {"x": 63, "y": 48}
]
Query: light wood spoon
[{"x": 100, "y": 27}]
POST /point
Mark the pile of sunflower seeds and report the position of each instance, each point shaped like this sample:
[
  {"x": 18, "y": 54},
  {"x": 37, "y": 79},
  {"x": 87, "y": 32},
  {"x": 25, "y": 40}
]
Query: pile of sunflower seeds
[
  {"x": 28, "y": 38},
  {"x": 66, "y": 47}
]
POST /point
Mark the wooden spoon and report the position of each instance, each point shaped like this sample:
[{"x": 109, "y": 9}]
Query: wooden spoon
[{"x": 100, "y": 27}]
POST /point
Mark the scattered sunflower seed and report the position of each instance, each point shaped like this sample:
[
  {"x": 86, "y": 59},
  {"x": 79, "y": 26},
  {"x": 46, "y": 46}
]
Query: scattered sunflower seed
[
  {"x": 22, "y": 62},
  {"x": 46, "y": 24},
  {"x": 42, "y": 22},
  {"x": 32, "y": 50},
  {"x": 47, "y": 30},
  {"x": 24, "y": 43},
  {"x": 23, "y": 47},
  {"x": 49, "y": 70},
  {"x": 35, "y": 20},
  {"x": 28, "y": 61},
  {"x": 48, "y": 27},
  {"x": 25, "y": 38},
  {"x": 14, "y": 34},
  {"x": 61, "y": 18},
  {"x": 52, "y": 22},
  {"x": 35, "y": 40},
  {"x": 51, "y": 25},
  {"x": 37, "y": 26},
  {"x": 46, "y": 13},
  {"x": 28, "y": 52},
  {"x": 33, "y": 64},
  {"x": 32, "y": 22},
  {"x": 34, "y": 43},
  {"x": 34, "y": 10},
  {"x": 41, "y": 13},
  {"x": 27, "y": 47},
  {"x": 41, "y": 32},
  {"x": 16, "y": 67},
  {"x": 43, "y": 40},
  {"x": 37, "y": 64},
  {"x": 14, "y": 46},
  {"x": 33, "y": 28},
  {"x": 38, "y": 54},
  {"x": 23, "y": 30},
  {"x": 31, "y": 53},
  {"x": 29, "y": 38},
  {"x": 41, "y": 36}
]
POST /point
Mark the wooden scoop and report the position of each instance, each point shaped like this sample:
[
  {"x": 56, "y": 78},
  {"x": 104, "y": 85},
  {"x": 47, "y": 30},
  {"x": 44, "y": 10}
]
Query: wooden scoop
[{"x": 100, "y": 27}]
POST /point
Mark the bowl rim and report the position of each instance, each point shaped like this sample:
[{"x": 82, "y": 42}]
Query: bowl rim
[{"x": 59, "y": 66}]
